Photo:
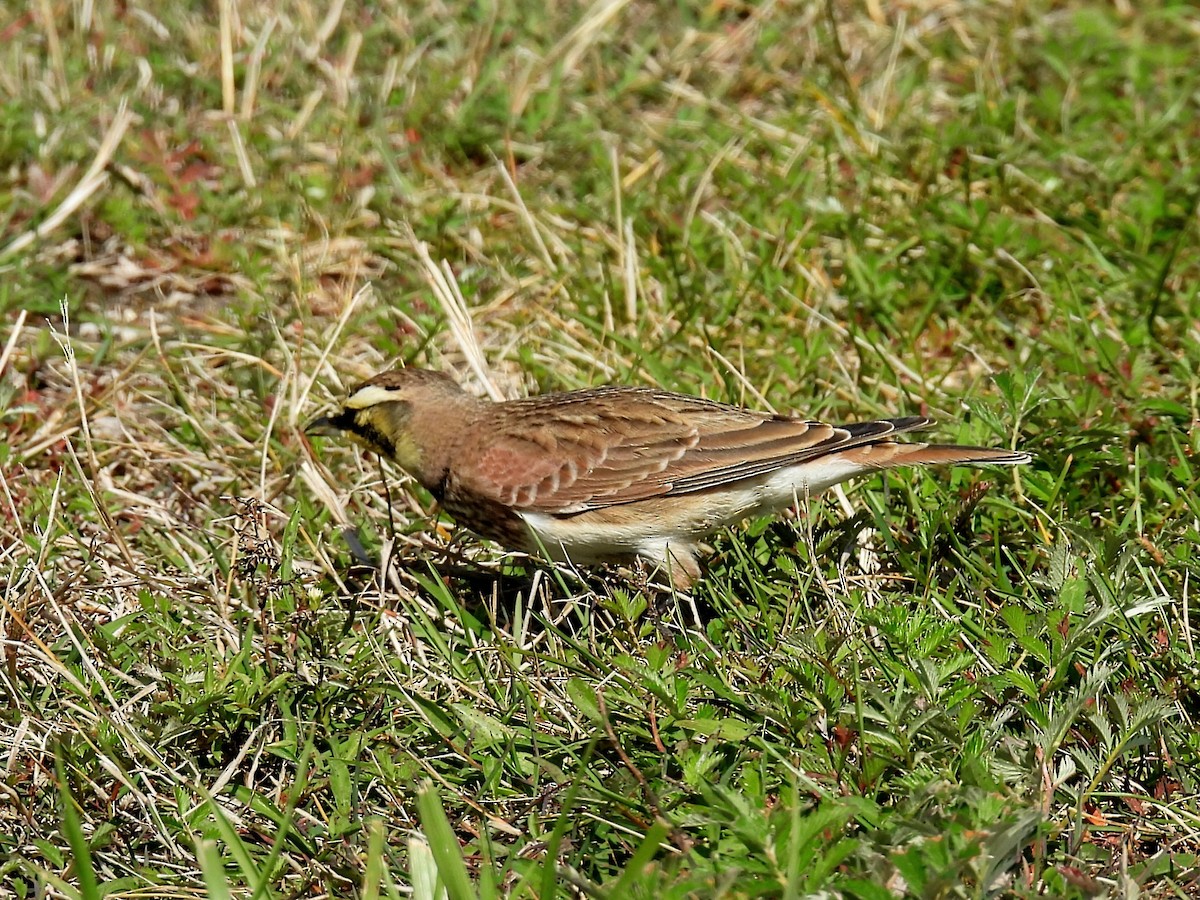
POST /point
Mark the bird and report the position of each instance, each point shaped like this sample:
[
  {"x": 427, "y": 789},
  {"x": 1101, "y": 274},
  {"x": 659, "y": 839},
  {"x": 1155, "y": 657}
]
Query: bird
[{"x": 617, "y": 474}]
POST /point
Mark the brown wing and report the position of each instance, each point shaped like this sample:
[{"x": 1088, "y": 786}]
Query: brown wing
[{"x": 568, "y": 453}]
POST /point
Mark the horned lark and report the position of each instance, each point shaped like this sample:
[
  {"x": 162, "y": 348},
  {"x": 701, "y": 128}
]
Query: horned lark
[{"x": 617, "y": 473}]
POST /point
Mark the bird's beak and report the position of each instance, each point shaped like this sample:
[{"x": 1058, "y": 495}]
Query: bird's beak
[{"x": 323, "y": 426}]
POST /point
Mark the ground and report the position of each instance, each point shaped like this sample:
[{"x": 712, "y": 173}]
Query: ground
[{"x": 216, "y": 217}]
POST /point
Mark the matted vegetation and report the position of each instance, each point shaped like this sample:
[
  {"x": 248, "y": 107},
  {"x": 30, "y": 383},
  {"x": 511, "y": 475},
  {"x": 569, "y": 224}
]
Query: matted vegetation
[{"x": 214, "y": 217}]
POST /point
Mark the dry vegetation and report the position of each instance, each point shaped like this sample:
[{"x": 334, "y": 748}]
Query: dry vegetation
[{"x": 239, "y": 665}]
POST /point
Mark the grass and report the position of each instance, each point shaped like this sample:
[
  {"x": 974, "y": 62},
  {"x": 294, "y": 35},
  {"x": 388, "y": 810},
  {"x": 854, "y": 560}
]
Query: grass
[{"x": 941, "y": 684}]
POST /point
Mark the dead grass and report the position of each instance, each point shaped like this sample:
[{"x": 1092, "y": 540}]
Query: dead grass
[{"x": 214, "y": 219}]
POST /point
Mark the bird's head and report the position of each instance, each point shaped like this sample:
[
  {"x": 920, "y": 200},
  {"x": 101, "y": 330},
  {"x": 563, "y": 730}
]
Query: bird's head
[{"x": 387, "y": 413}]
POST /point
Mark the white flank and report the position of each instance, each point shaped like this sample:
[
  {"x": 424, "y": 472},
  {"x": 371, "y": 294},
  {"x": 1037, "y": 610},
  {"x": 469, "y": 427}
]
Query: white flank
[
  {"x": 784, "y": 487},
  {"x": 585, "y": 541},
  {"x": 582, "y": 539}
]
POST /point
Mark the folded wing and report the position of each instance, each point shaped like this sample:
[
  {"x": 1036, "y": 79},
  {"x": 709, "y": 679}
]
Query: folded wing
[{"x": 610, "y": 446}]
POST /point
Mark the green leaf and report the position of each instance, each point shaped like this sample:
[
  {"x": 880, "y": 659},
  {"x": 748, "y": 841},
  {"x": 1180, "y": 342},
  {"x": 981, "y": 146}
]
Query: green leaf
[
  {"x": 584, "y": 697},
  {"x": 727, "y": 729},
  {"x": 85, "y": 874},
  {"x": 287, "y": 550},
  {"x": 212, "y": 870},
  {"x": 650, "y": 845},
  {"x": 444, "y": 845},
  {"x": 485, "y": 730}
]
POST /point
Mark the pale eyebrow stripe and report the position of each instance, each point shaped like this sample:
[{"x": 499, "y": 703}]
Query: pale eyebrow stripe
[{"x": 369, "y": 396}]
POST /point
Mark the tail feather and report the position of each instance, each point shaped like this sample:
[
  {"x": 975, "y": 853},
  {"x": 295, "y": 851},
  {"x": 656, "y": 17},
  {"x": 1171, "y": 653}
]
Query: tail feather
[{"x": 889, "y": 454}]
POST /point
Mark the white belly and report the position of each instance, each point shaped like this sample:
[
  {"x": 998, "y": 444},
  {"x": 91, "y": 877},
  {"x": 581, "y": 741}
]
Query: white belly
[
  {"x": 644, "y": 528},
  {"x": 587, "y": 541}
]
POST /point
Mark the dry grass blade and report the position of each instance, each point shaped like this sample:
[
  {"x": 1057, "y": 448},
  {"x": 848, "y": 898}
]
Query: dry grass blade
[
  {"x": 13, "y": 336},
  {"x": 300, "y": 399},
  {"x": 445, "y": 289},
  {"x": 93, "y": 179},
  {"x": 840, "y": 210}
]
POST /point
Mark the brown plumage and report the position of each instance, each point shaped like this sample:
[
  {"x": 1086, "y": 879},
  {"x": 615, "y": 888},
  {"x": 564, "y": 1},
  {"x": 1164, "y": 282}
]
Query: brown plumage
[{"x": 614, "y": 473}]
